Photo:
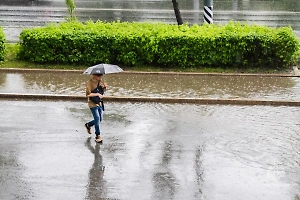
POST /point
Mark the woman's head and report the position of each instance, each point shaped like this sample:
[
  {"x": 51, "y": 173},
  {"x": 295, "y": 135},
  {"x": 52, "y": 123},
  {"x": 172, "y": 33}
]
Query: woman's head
[{"x": 97, "y": 76}]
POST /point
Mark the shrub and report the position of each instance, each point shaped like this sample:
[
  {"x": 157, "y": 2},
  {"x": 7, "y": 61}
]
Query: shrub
[
  {"x": 134, "y": 44},
  {"x": 232, "y": 45},
  {"x": 2, "y": 44}
]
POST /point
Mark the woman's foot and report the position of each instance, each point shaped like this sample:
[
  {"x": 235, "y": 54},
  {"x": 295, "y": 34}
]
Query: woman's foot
[
  {"x": 98, "y": 139},
  {"x": 88, "y": 129}
]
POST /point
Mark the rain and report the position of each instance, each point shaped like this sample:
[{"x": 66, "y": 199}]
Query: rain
[{"x": 150, "y": 150}]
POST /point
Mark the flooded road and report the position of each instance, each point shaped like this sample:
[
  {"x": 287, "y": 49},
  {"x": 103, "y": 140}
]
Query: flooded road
[
  {"x": 154, "y": 85},
  {"x": 150, "y": 151}
]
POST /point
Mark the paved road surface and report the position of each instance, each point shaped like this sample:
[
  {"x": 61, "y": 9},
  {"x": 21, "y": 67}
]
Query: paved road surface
[{"x": 150, "y": 151}]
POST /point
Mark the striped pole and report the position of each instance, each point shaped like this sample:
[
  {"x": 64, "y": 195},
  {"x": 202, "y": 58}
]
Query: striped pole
[{"x": 208, "y": 11}]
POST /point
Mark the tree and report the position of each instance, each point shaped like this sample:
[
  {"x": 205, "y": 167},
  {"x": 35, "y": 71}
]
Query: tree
[
  {"x": 71, "y": 8},
  {"x": 177, "y": 12}
]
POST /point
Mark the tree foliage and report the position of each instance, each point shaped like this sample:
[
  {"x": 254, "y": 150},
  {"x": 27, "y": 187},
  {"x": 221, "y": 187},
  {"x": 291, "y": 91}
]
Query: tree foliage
[{"x": 71, "y": 8}]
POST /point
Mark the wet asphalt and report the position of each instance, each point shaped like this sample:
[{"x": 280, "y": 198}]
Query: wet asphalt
[{"x": 150, "y": 151}]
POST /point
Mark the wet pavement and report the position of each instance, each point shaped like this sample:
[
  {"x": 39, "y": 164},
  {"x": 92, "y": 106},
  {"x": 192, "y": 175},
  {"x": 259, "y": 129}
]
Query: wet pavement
[
  {"x": 150, "y": 150},
  {"x": 155, "y": 85}
]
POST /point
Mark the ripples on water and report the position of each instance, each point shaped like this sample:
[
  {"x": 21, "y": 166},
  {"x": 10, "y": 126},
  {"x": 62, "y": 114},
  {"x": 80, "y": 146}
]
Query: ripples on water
[
  {"x": 173, "y": 151},
  {"x": 257, "y": 137},
  {"x": 147, "y": 85},
  {"x": 260, "y": 136}
]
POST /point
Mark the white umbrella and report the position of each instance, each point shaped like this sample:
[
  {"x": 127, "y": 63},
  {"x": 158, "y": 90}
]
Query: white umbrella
[{"x": 103, "y": 69}]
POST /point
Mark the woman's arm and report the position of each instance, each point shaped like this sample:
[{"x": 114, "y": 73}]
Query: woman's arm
[
  {"x": 104, "y": 86},
  {"x": 89, "y": 93},
  {"x": 94, "y": 95}
]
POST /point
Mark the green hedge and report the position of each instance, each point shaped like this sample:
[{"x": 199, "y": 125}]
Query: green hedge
[
  {"x": 2, "y": 44},
  {"x": 232, "y": 45},
  {"x": 134, "y": 44}
]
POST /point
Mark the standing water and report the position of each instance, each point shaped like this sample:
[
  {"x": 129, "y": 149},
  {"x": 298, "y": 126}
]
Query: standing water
[{"x": 159, "y": 151}]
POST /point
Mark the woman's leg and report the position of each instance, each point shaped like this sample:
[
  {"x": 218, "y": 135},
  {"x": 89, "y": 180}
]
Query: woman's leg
[
  {"x": 97, "y": 114},
  {"x": 100, "y": 112}
]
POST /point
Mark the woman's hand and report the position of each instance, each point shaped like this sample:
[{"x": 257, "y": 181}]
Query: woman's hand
[{"x": 104, "y": 86}]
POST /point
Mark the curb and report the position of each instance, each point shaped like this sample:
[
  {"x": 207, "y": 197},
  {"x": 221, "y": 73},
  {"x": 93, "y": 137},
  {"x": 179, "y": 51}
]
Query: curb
[{"x": 14, "y": 97}]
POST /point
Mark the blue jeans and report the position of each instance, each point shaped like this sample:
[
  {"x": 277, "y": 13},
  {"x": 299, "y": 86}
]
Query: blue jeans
[{"x": 97, "y": 114}]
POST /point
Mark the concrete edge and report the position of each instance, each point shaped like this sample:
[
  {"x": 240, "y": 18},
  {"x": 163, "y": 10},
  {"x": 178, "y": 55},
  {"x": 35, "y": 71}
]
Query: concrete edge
[
  {"x": 21, "y": 70},
  {"x": 13, "y": 97}
]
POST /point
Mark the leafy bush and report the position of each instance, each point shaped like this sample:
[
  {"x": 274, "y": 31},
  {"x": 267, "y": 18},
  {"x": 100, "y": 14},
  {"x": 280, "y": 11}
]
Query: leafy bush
[
  {"x": 2, "y": 44},
  {"x": 231, "y": 45},
  {"x": 135, "y": 44}
]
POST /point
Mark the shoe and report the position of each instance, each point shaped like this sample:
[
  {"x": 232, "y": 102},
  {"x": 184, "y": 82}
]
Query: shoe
[
  {"x": 98, "y": 139},
  {"x": 88, "y": 129}
]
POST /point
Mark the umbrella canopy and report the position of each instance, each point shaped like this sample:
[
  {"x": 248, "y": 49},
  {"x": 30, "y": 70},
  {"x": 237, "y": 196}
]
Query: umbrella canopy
[{"x": 103, "y": 69}]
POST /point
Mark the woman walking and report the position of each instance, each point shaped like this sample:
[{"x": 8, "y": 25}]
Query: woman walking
[{"x": 95, "y": 89}]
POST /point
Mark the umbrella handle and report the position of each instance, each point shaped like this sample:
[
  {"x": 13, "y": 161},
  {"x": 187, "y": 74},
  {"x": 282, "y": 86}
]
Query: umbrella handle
[{"x": 104, "y": 89}]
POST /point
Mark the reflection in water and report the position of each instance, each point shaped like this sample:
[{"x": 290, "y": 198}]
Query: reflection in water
[
  {"x": 199, "y": 86},
  {"x": 164, "y": 180},
  {"x": 44, "y": 83},
  {"x": 2, "y": 79},
  {"x": 199, "y": 173},
  {"x": 96, "y": 188},
  {"x": 59, "y": 83},
  {"x": 167, "y": 151},
  {"x": 153, "y": 85},
  {"x": 238, "y": 140},
  {"x": 12, "y": 176},
  {"x": 14, "y": 82}
]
